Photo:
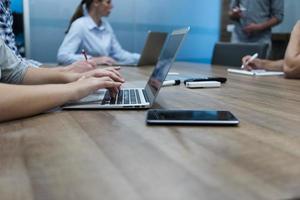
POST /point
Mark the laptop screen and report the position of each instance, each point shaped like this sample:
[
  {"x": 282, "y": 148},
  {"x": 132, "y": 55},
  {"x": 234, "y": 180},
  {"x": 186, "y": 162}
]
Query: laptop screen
[{"x": 164, "y": 63}]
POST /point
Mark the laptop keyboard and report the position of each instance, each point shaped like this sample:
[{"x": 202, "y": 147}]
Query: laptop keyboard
[{"x": 125, "y": 96}]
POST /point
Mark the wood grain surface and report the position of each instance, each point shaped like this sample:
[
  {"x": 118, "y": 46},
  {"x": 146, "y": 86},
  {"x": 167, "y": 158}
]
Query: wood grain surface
[{"x": 114, "y": 155}]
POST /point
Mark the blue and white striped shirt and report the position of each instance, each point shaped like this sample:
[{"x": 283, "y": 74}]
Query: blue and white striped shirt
[{"x": 6, "y": 22}]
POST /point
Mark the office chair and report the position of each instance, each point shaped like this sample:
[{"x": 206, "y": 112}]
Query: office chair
[{"x": 231, "y": 54}]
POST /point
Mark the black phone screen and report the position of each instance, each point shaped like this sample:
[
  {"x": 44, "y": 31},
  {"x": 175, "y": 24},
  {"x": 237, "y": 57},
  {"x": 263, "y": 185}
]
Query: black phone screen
[{"x": 190, "y": 117}]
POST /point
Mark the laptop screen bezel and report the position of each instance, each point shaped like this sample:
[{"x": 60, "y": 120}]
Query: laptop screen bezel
[{"x": 150, "y": 95}]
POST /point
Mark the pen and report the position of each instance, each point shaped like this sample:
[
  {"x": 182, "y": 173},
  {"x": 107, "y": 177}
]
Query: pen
[
  {"x": 84, "y": 54},
  {"x": 171, "y": 82},
  {"x": 250, "y": 60}
]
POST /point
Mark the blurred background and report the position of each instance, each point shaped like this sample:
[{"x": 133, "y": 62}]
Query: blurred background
[{"x": 47, "y": 20}]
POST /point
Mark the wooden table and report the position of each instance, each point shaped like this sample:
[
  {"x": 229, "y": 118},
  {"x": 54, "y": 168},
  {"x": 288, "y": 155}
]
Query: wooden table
[{"x": 110, "y": 155}]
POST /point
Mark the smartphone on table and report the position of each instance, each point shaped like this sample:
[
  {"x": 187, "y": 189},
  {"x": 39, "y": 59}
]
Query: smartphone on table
[{"x": 193, "y": 117}]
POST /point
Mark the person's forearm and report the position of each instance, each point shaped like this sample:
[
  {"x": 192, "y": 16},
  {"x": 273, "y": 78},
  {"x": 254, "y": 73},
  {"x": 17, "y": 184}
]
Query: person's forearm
[
  {"x": 270, "y": 23},
  {"x": 60, "y": 69},
  {"x": 273, "y": 65},
  {"x": 292, "y": 56},
  {"x": 57, "y": 68},
  {"x": 22, "y": 101},
  {"x": 35, "y": 76}
]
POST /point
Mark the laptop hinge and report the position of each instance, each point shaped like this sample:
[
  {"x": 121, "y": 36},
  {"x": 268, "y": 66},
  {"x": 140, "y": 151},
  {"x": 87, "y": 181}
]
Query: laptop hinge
[{"x": 146, "y": 96}]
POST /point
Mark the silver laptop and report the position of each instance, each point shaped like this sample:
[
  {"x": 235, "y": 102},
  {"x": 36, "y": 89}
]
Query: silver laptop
[
  {"x": 137, "y": 98},
  {"x": 154, "y": 44}
]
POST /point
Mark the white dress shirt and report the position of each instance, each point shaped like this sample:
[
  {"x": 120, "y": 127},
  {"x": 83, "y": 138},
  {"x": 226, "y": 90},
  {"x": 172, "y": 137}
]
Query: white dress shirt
[{"x": 95, "y": 40}]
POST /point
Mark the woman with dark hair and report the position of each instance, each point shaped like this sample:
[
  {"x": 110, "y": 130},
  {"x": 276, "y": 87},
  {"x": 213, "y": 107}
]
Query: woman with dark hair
[{"x": 90, "y": 32}]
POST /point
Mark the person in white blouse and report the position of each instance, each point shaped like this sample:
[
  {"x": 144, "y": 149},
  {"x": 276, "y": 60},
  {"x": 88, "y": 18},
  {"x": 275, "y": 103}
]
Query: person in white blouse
[{"x": 88, "y": 31}]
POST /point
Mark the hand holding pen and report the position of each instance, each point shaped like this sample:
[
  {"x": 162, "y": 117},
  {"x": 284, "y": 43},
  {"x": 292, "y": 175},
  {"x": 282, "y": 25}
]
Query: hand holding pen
[
  {"x": 237, "y": 12},
  {"x": 247, "y": 60}
]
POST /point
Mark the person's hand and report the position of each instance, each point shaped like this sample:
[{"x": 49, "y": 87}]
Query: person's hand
[
  {"x": 115, "y": 70},
  {"x": 87, "y": 85},
  {"x": 81, "y": 66},
  {"x": 235, "y": 13},
  {"x": 111, "y": 72},
  {"x": 104, "y": 60},
  {"x": 255, "y": 64},
  {"x": 252, "y": 28}
]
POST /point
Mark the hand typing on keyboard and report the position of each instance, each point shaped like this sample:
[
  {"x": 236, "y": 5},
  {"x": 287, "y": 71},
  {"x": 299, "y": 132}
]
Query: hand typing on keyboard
[{"x": 124, "y": 96}]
